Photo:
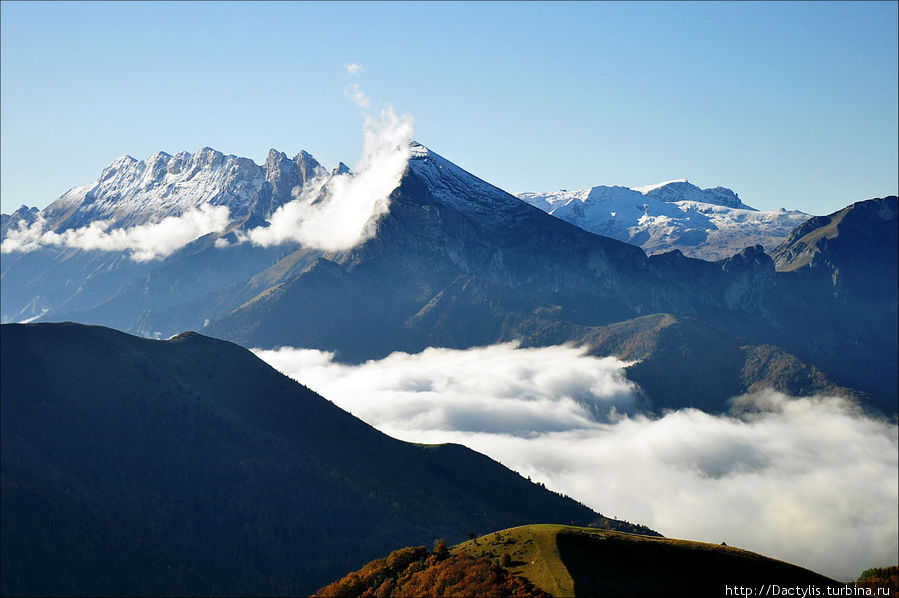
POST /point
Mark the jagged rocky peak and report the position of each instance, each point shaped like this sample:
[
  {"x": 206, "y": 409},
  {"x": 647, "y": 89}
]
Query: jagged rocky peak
[
  {"x": 23, "y": 214},
  {"x": 341, "y": 169},
  {"x": 25, "y": 211},
  {"x": 286, "y": 174},
  {"x": 208, "y": 155},
  {"x": 281, "y": 171},
  {"x": 157, "y": 166},
  {"x": 276, "y": 159},
  {"x": 177, "y": 162},
  {"x": 117, "y": 166},
  {"x": 309, "y": 166},
  {"x": 131, "y": 192}
]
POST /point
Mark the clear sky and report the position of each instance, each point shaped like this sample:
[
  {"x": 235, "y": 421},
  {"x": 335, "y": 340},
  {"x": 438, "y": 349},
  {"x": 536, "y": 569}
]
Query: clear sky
[{"x": 790, "y": 104}]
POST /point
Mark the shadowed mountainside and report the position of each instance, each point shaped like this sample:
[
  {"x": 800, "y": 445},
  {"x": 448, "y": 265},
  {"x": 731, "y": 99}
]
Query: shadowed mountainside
[
  {"x": 190, "y": 467},
  {"x": 684, "y": 363}
]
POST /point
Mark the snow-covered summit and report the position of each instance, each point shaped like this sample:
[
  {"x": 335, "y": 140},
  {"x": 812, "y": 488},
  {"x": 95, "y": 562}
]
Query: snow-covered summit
[
  {"x": 705, "y": 223},
  {"x": 647, "y": 188},
  {"x": 460, "y": 189},
  {"x": 131, "y": 192},
  {"x": 683, "y": 190}
]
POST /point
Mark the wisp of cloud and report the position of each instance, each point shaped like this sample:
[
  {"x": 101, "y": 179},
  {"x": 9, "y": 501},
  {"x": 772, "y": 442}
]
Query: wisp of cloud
[
  {"x": 338, "y": 212},
  {"x": 145, "y": 242},
  {"x": 810, "y": 480}
]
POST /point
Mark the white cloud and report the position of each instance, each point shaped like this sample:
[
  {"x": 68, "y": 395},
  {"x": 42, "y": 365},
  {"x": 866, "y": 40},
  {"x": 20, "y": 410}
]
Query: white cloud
[
  {"x": 352, "y": 69},
  {"x": 810, "y": 480},
  {"x": 357, "y": 96},
  {"x": 339, "y": 212},
  {"x": 145, "y": 242},
  {"x": 497, "y": 389}
]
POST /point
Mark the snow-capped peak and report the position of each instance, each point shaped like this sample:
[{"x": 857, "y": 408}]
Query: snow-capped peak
[
  {"x": 647, "y": 188},
  {"x": 417, "y": 150},
  {"x": 131, "y": 192},
  {"x": 683, "y": 190},
  {"x": 706, "y": 223},
  {"x": 458, "y": 188}
]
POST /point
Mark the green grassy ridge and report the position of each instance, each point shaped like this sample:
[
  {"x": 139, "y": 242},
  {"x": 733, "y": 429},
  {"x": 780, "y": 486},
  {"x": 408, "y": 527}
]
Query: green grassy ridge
[{"x": 575, "y": 561}]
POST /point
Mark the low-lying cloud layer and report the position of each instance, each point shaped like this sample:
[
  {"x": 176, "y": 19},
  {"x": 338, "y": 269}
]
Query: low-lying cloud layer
[
  {"x": 497, "y": 390},
  {"x": 145, "y": 242},
  {"x": 808, "y": 480}
]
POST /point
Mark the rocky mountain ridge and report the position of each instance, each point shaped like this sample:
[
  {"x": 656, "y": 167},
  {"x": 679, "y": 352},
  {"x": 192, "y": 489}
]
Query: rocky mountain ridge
[
  {"x": 131, "y": 192},
  {"x": 709, "y": 224}
]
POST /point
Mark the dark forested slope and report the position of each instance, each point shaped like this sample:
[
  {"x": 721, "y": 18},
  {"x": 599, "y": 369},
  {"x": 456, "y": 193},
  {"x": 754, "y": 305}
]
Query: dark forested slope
[{"x": 189, "y": 466}]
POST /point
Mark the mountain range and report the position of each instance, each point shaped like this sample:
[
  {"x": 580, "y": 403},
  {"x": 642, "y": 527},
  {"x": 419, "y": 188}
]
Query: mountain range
[
  {"x": 457, "y": 262},
  {"x": 187, "y": 466},
  {"x": 709, "y": 224},
  {"x": 131, "y": 192}
]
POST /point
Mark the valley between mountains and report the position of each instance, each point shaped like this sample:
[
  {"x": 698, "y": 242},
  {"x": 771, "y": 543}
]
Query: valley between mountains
[{"x": 661, "y": 361}]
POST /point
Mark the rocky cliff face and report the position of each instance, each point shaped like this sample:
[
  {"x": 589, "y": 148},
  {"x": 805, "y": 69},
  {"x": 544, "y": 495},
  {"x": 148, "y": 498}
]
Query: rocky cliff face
[{"x": 131, "y": 192}]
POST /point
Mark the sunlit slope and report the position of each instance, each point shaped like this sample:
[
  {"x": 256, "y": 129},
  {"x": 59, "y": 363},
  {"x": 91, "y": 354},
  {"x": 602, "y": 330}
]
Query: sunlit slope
[{"x": 575, "y": 561}]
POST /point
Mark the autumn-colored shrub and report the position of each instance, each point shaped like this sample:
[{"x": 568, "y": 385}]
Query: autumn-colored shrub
[
  {"x": 441, "y": 551},
  {"x": 416, "y": 572},
  {"x": 399, "y": 560}
]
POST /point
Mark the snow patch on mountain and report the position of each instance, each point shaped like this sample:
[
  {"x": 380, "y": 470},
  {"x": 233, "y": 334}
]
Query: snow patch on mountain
[
  {"x": 459, "y": 189},
  {"x": 132, "y": 192},
  {"x": 710, "y": 224},
  {"x": 155, "y": 206},
  {"x": 647, "y": 188}
]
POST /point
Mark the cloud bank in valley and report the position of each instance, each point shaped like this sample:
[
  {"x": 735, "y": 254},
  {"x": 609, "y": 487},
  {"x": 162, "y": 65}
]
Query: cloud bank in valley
[
  {"x": 145, "y": 242},
  {"x": 808, "y": 480},
  {"x": 500, "y": 389}
]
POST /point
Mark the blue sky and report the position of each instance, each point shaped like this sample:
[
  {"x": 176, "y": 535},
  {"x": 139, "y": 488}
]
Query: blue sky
[{"x": 791, "y": 105}]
